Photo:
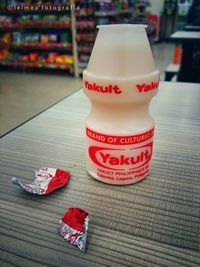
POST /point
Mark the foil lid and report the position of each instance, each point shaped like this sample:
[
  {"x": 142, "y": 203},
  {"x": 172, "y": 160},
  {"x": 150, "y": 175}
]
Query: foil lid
[
  {"x": 74, "y": 226},
  {"x": 46, "y": 181}
]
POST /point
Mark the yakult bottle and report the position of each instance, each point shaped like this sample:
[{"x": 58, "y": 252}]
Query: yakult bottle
[{"x": 120, "y": 81}]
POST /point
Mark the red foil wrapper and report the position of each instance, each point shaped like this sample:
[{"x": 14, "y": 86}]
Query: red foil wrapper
[
  {"x": 46, "y": 181},
  {"x": 73, "y": 227}
]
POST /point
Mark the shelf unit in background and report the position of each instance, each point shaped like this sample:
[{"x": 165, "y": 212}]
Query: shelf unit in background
[
  {"x": 85, "y": 32},
  {"x": 80, "y": 23},
  {"x": 24, "y": 53},
  {"x": 92, "y": 13}
]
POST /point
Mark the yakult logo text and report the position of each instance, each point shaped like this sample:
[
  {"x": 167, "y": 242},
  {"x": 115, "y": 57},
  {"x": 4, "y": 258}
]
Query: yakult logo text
[
  {"x": 109, "y": 89},
  {"x": 120, "y": 159},
  {"x": 147, "y": 87}
]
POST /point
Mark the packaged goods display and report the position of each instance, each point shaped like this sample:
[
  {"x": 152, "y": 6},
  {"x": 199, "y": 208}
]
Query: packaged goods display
[
  {"x": 31, "y": 39},
  {"x": 53, "y": 30}
]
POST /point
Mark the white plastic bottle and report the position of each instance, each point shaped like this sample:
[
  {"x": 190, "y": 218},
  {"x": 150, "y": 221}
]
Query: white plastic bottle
[{"x": 120, "y": 81}]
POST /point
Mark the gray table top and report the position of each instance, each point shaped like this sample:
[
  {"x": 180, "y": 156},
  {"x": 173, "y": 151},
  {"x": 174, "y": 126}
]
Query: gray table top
[
  {"x": 155, "y": 222},
  {"x": 186, "y": 37},
  {"x": 191, "y": 27}
]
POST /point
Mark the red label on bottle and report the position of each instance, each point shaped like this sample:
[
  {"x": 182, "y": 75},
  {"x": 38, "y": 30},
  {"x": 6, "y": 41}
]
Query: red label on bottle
[
  {"x": 119, "y": 140},
  {"x": 108, "y": 89},
  {"x": 143, "y": 88},
  {"x": 120, "y": 158}
]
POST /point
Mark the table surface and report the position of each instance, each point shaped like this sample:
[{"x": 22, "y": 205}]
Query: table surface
[
  {"x": 186, "y": 36},
  {"x": 155, "y": 222},
  {"x": 191, "y": 27}
]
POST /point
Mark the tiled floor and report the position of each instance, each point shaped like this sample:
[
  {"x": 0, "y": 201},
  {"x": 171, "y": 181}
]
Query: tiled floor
[{"x": 22, "y": 96}]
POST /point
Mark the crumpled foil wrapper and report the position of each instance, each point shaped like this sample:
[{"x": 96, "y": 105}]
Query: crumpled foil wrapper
[
  {"x": 74, "y": 226},
  {"x": 46, "y": 181}
]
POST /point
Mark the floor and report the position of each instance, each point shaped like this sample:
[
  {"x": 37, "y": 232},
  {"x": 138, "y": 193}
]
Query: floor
[
  {"x": 163, "y": 56},
  {"x": 23, "y": 95}
]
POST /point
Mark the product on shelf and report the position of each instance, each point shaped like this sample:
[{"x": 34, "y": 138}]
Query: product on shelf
[
  {"x": 35, "y": 37},
  {"x": 85, "y": 22},
  {"x": 40, "y": 40},
  {"x": 25, "y": 19},
  {"x": 50, "y": 18},
  {"x": 64, "y": 59},
  {"x": 23, "y": 58},
  {"x": 85, "y": 29},
  {"x": 3, "y": 54},
  {"x": 64, "y": 18},
  {"x": 33, "y": 56},
  {"x": 52, "y": 57},
  {"x": 2, "y": 4},
  {"x": 66, "y": 37},
  {"x": 54, "y": 37},
  {"x": 43, "y": 20},
  {"x": 48, "y": 58},
  {"x": 60, "y": 59},
  {"x": 42, "y": 58},
  {"x": 106, "y": 12},
  {"x": 5, "y": 40},
  {"x": 103, "y": 20},
  {"x": 84, "y": 58},
  {"x": 106, "y": 6},
  {"x": 35, "y": 17},
  {"x": 125, "y": 4},
  {"x": 85, "y": 9},
  {"x": 16, "y": 37},
  {"x": 44, "y": 38},
  {"x": 28, "y": 37},
  {"x": 4, "y": 20},
  {"x": 13, "y": 57}
]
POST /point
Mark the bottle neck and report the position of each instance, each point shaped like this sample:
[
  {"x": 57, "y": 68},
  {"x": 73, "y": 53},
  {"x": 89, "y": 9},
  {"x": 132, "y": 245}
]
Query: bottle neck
[
  {"x": 120, "y": 109},
  {"x": 123, "y": 119}
]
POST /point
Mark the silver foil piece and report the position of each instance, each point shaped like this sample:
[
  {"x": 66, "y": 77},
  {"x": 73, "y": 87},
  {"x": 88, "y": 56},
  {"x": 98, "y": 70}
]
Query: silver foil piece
[{"x": 73, "y": 236}]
